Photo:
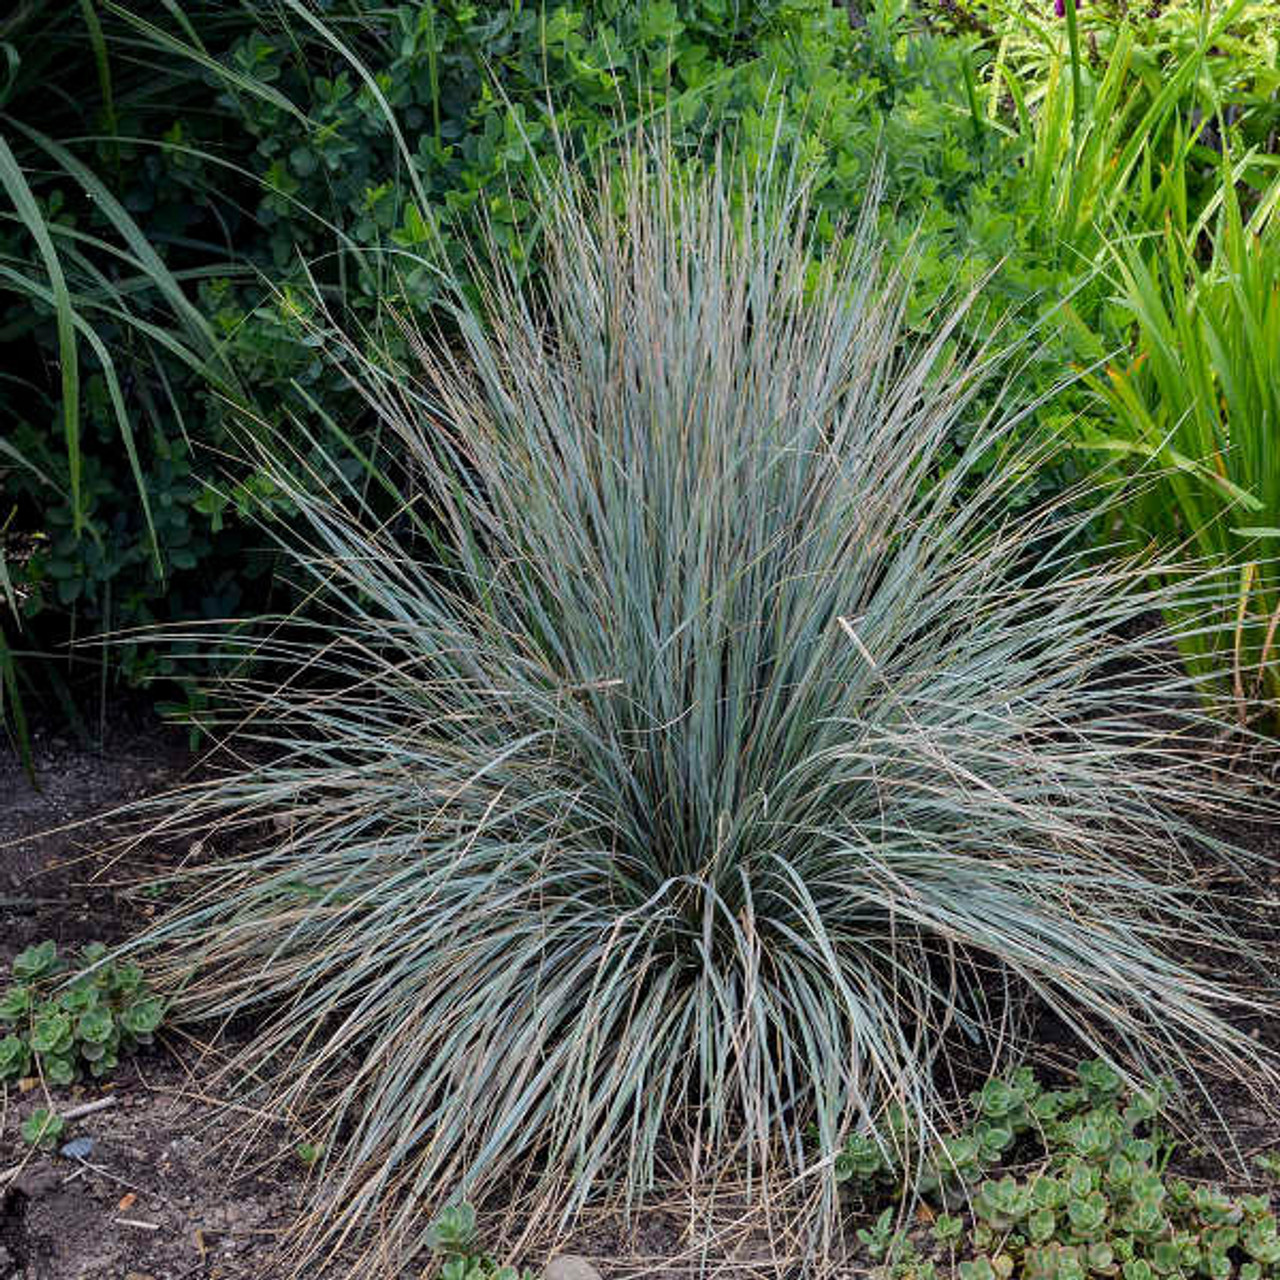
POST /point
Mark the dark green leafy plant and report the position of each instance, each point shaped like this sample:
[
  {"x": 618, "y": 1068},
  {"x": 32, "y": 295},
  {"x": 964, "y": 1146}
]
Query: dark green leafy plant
[
  {"x": 59, "y": 1021},
  {"x": 116, "y": 375},
  {"x": 708, "y": 749},
  {"x": 160, "y": 232},
  {"x": 1098, "y": 1201},
  {"x": 165, "y": 231}
]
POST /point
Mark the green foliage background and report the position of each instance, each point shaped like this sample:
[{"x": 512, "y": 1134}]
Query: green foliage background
[{"x": 211, "y": 177}]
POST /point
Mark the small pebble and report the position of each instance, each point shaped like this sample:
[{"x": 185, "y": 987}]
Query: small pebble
[
  {"x": 568, "y": 1266},
  {"x": 78, "y": 1148}
]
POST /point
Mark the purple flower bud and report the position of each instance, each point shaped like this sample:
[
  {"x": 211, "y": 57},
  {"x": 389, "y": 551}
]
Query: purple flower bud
[{"x": 1060, "y": 8}]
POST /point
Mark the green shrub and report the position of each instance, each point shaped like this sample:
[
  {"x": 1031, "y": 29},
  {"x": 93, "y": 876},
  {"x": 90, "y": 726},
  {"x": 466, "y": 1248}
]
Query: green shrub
[
  {"x": 167, "y": 224},
  {"x": 708, "y": 751},
  {"x": 232, "y": 155},
  {"x": 119, "y": 385},
  {"x": 1099, "y": 1199},
  {"x": 59, "y": 1024}
]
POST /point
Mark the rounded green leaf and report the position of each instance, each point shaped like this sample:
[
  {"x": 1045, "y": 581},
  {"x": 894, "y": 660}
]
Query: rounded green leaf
[
  {"x": 43, "y": 1128},
  {"x": 15, "y": 1003},
  {"x": 36, "y": 961},
  {"x": 15, "y": 1058},
  {"x": 96, "y": 1026},
  {"x": 58, "y": 1069},
  {"x": 104, "y": 1066},
  {"x": 143, "y": 1016},
  {"x": 79, "y": 998},
  {"x": 51, "y": 1031}
]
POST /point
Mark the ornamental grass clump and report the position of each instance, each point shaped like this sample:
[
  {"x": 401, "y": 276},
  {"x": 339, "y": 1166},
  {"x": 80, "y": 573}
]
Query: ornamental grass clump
[{"x": 694, "y": 762}]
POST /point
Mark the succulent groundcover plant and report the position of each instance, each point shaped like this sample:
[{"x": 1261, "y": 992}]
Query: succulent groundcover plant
[{"x": 713, "y": 759}]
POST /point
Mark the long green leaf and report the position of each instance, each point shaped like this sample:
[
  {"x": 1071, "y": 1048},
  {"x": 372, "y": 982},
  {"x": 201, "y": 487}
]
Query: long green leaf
[
  {"x": 102, "y": 62},
  {"x": 157, "y": 273},
  {"x": 14, "y": 182},
  {"x": 112, "y": 383},
  {"x": 13, "y": 714}
]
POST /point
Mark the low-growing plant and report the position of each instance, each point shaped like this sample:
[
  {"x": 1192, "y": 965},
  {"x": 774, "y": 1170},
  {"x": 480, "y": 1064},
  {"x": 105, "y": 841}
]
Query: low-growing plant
[
  {"x": 60, "y": 1021},
  {"x": 880, "y": 1238},
  {"x": 309, "y": 1153},
  {"x": 42, "y": 1128},
  {"x": 1098, "y": 1200},
  {"x": 1003, "y": 1112},
  {"x": 696, "y": 751},
  {"x": 455, "y": 1240}
]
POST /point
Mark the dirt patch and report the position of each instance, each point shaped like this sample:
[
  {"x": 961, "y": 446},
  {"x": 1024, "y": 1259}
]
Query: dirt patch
[
  {"x": 151, "y": 1190},
  {"x": 51, "y": 882},
  {"x": 161, "y": 1191}
]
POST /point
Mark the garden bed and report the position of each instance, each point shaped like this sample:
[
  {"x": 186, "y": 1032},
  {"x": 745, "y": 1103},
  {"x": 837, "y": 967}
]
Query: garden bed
[
  {"x": 168, "y": 1189},
  {"x": 158, "y": 1194}
]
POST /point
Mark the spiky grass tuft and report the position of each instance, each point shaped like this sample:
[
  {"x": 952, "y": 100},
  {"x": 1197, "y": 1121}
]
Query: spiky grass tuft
[{"x": 726, "y": 756}]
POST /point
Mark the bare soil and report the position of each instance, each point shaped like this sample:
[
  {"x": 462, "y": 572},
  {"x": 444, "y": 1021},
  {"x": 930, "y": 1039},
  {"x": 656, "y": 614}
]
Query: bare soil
[{"x": 160, "y": 1194}]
